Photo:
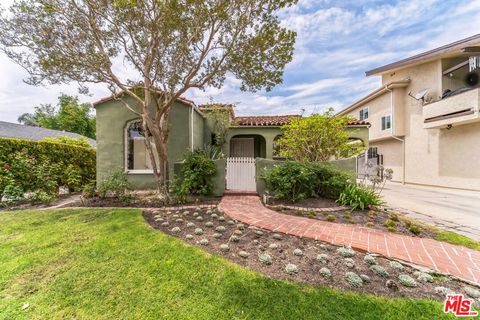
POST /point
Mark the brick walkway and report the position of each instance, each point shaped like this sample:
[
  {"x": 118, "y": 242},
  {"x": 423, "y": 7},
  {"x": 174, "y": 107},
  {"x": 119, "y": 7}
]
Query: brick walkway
[{"x": 461, "y": 262}]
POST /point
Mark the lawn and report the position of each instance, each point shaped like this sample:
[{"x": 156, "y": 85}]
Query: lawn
[{"x": 109, "y": 264}]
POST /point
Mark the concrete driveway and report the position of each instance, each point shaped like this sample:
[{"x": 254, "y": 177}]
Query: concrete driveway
[{"x": 449, "y": 208}]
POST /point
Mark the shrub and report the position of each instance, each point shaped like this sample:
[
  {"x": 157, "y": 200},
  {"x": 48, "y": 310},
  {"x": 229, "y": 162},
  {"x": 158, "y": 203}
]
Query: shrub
[
  {"x": 115, "y": 184},
  {"x": 330, "y": 217},
  {"x": 415, "y": 229},
  {"x": 407, "y": 281},
  {"x": 353, "y": 279},
  {"x": 358, "y": 197},
  {"x": 42, "y": 167},
  {"x": 295, "y": 181},
  {"x": 195, "y": 178},
  {"x": 81, "y": 141}
]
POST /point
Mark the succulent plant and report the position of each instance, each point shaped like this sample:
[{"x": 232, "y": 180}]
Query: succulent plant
[
  {"x": 255, "y": 241},
  {"x": 203, "y": 242},
  {"x": 346, "y": 252},
  {"x": 196, "y": 214},
  {"x": 273, "y": 246},
  {"x": 220, "y": 229},
  {"x": 175, "y": 216},
  {"x": 323, "y": 258},
  {"x": 199, "y": 218},
  {"x": 298, "y": 252},
  {"x": 323, "y": 246},
  {"x": 198, "y": 231},
  {"x": 179, "y": 220},
  {"x": 277, "y": 236},
  {"x": 397, "y": 265},
  {"x": 291, "y": 269},
  {"x": 176, "y": 229},
  {"x": 230, "y": 222},
  {"x": 379, "y": 270},
  {"x": 258, "y": 233},
  {"x": 234, "y": 238},
  {"x": 209, "y": 224},
  {"x": 423, "y": 276},
  {"x": 325, "y": 272},
  {"x": 243, "y": 254},
  {"x": 214, "y": 216},
  {"x": 156, "y": 217},
  {"x": 370, "y": 224},
  {"x": 165, "y": 224},
  {"x": 442, "y": 291},
  {"x": 217, "y": 235},
  {"x": 471, "y": 292},
  {"x": 407, "y": 281},
  {"x": 365, "y": 278},
  {"x": 190, "y": 225},
  {"x": 224, "y": 247},
  {"x": 265, "y": 259},
  {"x": 354, "y": 279},
  {"x": 370, "y": 259},
  {"x": 185, "y": 212},
  {"x": 221, "y": 218},
  {"x": 349, "y": 263},
  {"x": 240, "y": 226},
  {"x": 209, "y": 211},
  {"x": 189, "y": 236}
]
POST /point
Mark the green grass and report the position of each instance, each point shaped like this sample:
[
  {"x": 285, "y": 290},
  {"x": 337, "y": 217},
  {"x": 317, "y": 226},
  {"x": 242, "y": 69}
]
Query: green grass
[
  {"x": 455, "y": 238},
  {"x": 109, "y": 264}
]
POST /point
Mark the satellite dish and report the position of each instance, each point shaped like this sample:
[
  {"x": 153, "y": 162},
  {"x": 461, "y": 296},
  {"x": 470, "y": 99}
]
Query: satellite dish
[{"x": 419, "y": 95}]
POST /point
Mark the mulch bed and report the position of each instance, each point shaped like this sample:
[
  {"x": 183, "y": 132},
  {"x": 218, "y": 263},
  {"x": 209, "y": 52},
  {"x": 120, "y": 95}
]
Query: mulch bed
[
  {"x": 375, "y": 219},
  {"x": 257, "y": 243},
  {"x": 140, "y": 201}
]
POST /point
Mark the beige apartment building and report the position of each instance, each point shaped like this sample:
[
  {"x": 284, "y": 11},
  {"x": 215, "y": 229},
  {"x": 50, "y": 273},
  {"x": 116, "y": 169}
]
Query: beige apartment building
[{"x": 425, "y": 120}]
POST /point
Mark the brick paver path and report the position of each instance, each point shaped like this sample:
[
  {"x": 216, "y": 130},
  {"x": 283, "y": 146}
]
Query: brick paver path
[{"x": 461, "y": 262}]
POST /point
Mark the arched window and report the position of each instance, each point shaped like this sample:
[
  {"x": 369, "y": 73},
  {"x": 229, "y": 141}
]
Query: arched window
[{"x": 137, "y": 156}]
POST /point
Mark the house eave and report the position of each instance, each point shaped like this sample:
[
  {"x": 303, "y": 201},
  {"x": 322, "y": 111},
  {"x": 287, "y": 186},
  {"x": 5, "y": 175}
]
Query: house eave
[{"x": 375, "y": 94}]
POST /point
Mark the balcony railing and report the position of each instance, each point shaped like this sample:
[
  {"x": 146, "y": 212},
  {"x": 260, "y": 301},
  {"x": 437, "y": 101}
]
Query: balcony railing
[{"x": 459, "y": 109}]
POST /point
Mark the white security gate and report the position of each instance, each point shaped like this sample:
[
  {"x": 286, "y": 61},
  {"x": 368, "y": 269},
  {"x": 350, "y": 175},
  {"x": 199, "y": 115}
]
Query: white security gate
[{"x": 241, "y": 174}]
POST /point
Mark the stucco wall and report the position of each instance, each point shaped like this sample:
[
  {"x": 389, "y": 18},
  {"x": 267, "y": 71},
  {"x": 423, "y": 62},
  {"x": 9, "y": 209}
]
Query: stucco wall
[{"x": 112, "y": 119}]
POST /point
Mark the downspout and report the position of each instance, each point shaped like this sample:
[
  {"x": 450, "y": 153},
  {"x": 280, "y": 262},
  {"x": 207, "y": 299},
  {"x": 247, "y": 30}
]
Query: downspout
[
  {"x": 393, "y": 119},
  {"x": 191, "y": 128}
]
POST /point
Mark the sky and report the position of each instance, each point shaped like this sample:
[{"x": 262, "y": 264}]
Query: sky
[{"x": 337, "y": 41}]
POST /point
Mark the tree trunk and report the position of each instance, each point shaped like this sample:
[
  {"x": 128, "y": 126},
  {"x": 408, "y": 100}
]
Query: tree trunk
[{"x": 159, "y": 154}]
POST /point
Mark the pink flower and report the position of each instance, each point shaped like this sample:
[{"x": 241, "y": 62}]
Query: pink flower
[{"x": 6, "y": 167}]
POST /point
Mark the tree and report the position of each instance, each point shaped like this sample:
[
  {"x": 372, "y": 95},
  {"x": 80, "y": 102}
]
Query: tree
[
  {"x": 220, "y": 117},
  {"x": 152, "y": 51},
  {"x": 317, "y": 138},
  {"x": 69, "y": 115}
]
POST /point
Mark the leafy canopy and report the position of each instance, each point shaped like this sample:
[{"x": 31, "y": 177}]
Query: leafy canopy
[
  {"x": 69, "y": 115},
  {"x": 317, "y": 138}
]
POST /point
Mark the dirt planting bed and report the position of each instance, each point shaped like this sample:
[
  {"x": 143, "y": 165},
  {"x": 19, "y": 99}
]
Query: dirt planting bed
[
  {"x": 385, "y": 220},
  {"x": 288, "y": 257}
]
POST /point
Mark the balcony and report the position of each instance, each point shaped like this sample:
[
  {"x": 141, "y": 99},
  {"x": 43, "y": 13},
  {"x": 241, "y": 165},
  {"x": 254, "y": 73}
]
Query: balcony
[{"x": 456, "y": 110}]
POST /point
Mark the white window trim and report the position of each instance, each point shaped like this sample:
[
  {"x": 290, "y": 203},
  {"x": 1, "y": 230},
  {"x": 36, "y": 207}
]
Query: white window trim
[
  {"x": 363, "y": 109},
  {"x": 125, "y": 151},
  {"x": 381, "y": 122}
]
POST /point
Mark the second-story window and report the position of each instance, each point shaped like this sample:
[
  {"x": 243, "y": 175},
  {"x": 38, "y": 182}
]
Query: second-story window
[
  {"x": 363, "y": 114},
  {"x": 386, "y": 122}
]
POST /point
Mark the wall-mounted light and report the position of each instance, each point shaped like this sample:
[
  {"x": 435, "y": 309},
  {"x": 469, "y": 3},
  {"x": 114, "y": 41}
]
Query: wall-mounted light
[{"x": 449, "y": 127}]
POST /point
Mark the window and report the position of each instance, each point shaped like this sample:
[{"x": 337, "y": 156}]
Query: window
[
  {"x": 386, "y": 122},
  {"x": 364, "y": 114},
  {"x": 372, "y": 152},
  {"x": 138, "y": 158}
]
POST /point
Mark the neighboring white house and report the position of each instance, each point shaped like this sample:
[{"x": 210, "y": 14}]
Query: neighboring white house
[{"x": 425, "y": 120}]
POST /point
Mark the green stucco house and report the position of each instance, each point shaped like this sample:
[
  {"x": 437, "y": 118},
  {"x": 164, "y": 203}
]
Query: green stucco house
[{"x": 120, "y": 144}]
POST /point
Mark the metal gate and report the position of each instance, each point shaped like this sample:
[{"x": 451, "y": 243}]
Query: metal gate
[{"x": 241, "y": 174}]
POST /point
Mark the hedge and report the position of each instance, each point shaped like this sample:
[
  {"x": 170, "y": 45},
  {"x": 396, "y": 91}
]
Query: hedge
[{"x": 62, "y": 164}]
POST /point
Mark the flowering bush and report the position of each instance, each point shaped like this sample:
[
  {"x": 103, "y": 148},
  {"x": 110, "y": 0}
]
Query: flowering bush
[{"x": 34, "y": 170}]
